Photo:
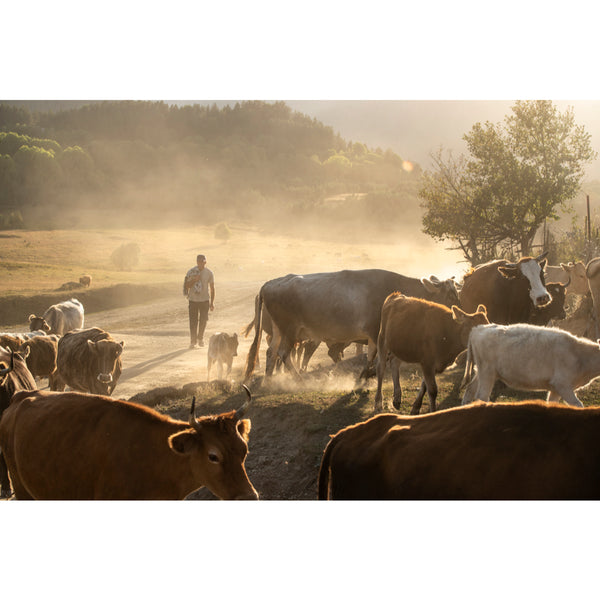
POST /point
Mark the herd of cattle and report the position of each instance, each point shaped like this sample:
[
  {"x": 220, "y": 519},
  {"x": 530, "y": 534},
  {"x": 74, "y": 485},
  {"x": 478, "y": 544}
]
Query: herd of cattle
[{"x": 82, "y": 444}]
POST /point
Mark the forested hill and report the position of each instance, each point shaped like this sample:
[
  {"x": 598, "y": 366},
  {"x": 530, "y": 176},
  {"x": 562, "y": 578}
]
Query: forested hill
[{"x": 151, "y": 163}]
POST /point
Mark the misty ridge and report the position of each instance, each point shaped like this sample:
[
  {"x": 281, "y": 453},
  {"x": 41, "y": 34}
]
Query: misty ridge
[{"x": 71, "y": 164}]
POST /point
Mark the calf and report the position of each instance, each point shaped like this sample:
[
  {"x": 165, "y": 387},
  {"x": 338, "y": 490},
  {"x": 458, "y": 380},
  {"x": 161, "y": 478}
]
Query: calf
[
  {"x": 506, "y": 451},
  {"x": 419, "y": 331},
  {"x": 532, "y": 358},
  {"x": 222, "y": 347},
  {"x": 555, "y": 309}
]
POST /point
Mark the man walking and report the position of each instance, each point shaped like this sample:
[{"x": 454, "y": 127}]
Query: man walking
[{"x": 199, "y": 288}]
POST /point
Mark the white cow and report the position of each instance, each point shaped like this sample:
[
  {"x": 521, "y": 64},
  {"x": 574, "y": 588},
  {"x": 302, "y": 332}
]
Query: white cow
[
  {"x": 529, "y": 357},
  {"x": 59, "y": 318}
]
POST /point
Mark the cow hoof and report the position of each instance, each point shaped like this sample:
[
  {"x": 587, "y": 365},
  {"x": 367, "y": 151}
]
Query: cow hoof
[{"x": 396, "y": 404}]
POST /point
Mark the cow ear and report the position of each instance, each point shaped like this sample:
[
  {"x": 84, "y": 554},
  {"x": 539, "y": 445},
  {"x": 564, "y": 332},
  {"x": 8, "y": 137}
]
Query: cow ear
[
  {"x": 482, "y": 309},
  {"x": 184, "y": 442},
  {"x": 92, "y": 345},
  {"x": 31, "y": 318},
  {"x": 543, "y": 264},
  {"x": 243, "y": 427},
  {"x": 508, "y": 272}
]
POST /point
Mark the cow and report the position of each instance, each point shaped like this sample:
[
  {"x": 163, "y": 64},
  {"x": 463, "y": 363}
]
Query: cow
[
  {"x": 508, "y": 451},
  {"x": 222, "y": 347},
  {"x": 301, "y": 350},
  {"x": 14, "y": 377},
  {"x": 555, "y": 309},
  {"x": 76, "y": 446},
  {"x": 85, "y": 280},
  {"x": 529, "y": 357},
  {"x": 572, "y": 274},
  {"x": 338, "y": 308},
  {"x": 59, "y": 318},
  {"x": 509, "y": 291},
  {"x": 414, "y": 330},
  {"x": 592, "y": 270},
  {"x": 88, "y": 360},
  {"x": 15, "y": 340},
  {"x": 41, "y": 360}
]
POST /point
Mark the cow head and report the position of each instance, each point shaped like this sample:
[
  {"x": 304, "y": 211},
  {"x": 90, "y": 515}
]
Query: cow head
[
  {"x": 233, "y": 344},
  {"x": 467, "y": 321},
  {"x": 10, "y": 362},
  {"x": 106, "y": 352},
  {"x": 216, "y": 447},
  {"x": 532, "y": 269},
  {"x": 38, "y": 324},
  {"x": 556, "y": 308},
  {"x": 577, "y": 277},
  {"x": 444, "y": 292}
]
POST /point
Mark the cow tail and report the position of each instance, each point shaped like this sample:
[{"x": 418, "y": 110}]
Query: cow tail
[
  {"x": 468, "y": 366},
  {"x": 252, "y": 359},
  {"x": 323, "y": 488}
]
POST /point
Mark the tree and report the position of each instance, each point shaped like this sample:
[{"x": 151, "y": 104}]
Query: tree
[{"x": 519, "y": 174}]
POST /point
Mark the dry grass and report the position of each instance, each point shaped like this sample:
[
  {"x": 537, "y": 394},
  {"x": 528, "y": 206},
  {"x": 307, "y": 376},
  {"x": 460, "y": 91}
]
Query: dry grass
[{"x": 35, "y": 262}]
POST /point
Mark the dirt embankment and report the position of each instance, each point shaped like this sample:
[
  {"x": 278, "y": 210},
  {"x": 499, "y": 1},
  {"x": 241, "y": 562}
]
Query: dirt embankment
[{"x": 15, "y": 310}]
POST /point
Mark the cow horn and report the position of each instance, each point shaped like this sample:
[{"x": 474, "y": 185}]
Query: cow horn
[
  {"x": 568, "y": 282},
  {"x": 193, "y": 421},
  {"x": 541, "y": 256},
  {"x": 239, "y": 413}
]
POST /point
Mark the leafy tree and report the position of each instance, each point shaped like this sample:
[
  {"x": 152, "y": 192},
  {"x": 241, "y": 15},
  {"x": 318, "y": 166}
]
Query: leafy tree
[{"x": 519, "y": 174}]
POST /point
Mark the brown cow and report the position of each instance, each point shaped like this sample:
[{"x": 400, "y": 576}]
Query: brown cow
[
  {"x": 74, "y": 446},
  {"x": 419, "y": 331},
  {"x": 41, "y": 360},
  {"x": 89, "y": 361},
  {"x": 483, "y": 451},
  {"x": 85, "y": 280},
  {"x": 14, "y": 377},
  {"x": 222, "y": 347},
  {"x": 509, "y": 291},
  {"x": 12, "y": 342}
]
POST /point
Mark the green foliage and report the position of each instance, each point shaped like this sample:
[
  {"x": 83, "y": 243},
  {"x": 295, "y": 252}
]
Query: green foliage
[
  {"x": 126, "y": 256},
  {"x": 519, "y": 175},
  {"x": 222, "y": 231},
  {"x": 254, "y": 159},
  {"x": 11, "y": 220}
]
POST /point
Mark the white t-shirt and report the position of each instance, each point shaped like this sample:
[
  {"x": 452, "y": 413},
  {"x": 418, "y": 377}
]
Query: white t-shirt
[{"x": 200, "y": 292}]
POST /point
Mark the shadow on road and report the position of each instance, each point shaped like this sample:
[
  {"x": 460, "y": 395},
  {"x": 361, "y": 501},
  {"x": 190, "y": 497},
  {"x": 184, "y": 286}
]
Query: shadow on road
[{"x": 147, "y": 365}]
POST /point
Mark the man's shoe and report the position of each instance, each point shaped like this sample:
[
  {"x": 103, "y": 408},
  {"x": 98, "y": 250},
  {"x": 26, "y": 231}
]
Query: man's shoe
[
  {"x": 201, "y": 344},
  {"x": 192, "y": 346}
]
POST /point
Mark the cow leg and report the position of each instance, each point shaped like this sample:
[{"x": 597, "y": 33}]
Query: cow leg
[
  {"x": 470, "y": 390},
  {"x": 429, "y": 383},
  {"x": 380, "y": 369},
  {"x": 485, "y": 383},
  {"x": 285, "y": 354},
  {"x": 566, "y": 393},
  {"x": 5, "y": 490},
  {"x": 219, "y": 370},
  {"x": 229, "y": 363},
  {"x": 310, "y": 347},
  {"x": 56, "y": 382},
  {"x": 369, "y": 370},
  {"x": 272, "y": 351},
  {"x": 416, "y": 407},
  {"x": 395, "y": 367}
]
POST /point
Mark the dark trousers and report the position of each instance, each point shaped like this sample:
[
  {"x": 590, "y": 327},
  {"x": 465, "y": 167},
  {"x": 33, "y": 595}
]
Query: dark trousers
[{"x": 198, "y": 318}]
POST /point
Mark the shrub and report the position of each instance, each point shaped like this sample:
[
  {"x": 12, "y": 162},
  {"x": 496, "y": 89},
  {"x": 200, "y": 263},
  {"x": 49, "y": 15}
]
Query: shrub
[
  {"x": 126, "y": 256},
  {"x": 222, "y": 231}
]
